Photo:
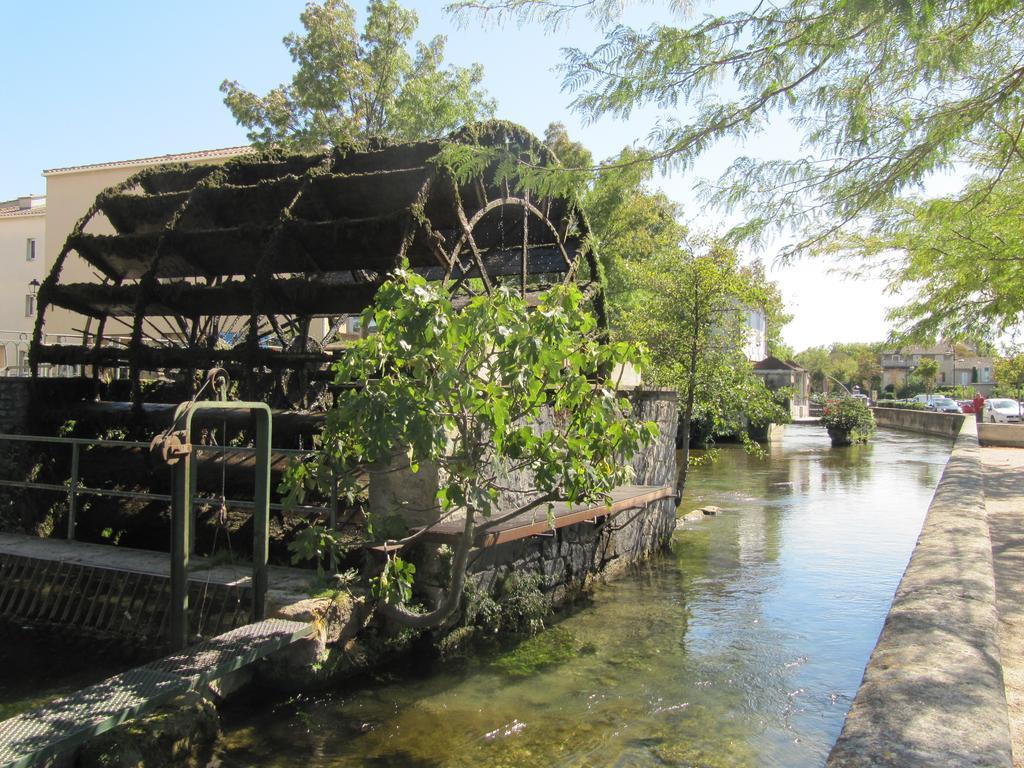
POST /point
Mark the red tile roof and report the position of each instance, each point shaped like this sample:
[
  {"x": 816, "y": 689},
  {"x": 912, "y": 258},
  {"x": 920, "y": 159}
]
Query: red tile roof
[
  {"x": 205, "y": 154},
  {"x": 12, "y": 208}
]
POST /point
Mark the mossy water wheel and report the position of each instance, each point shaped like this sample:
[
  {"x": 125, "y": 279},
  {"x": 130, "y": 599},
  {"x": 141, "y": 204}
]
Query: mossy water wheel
[{"x": 254, "y": 265}]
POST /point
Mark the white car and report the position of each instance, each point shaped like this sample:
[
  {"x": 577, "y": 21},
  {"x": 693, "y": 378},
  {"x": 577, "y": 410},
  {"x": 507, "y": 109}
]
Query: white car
[{"x": 1002, "y": 409}]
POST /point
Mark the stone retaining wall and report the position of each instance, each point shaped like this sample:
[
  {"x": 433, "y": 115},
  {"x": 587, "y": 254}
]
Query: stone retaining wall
[
  {"x": 932, "y": 692},
  {"x": 923, "y": 422},
  {"x": 1006, "y": 435},
  {"x": 14, "y": 404},
  {"x": 567, "y": 558}
]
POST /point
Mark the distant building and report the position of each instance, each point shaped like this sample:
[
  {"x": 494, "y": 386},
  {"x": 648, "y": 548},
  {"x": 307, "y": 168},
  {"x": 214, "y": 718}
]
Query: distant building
[
  {"x": 22, "y": 242},
  {"x": 956, "y": 368},
  {"x": 756, "y": 344},
  {"x": 779, "y": 374}
]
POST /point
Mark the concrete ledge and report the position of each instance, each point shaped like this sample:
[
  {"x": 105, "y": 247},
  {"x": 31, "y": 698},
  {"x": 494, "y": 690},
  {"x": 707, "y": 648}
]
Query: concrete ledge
[
  {"x": 923, "y": 422},
  {"x": 1004, "y": 435},
  {"x": 932, "y": 692}
]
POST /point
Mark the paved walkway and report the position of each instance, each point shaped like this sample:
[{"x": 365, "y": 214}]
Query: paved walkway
[{"x": 1004, "y": 500}]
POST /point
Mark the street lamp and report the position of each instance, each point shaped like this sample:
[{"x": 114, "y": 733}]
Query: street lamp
[{"x": 33, "y": 287}]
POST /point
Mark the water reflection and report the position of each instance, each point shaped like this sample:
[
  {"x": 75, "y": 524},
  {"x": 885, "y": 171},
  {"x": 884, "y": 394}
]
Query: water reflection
[{"x": 743, "y": 647}]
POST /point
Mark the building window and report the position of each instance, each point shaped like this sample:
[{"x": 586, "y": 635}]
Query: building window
[
  {"x": 985, "y": 374},
  {"x": 942, "y": 377},
  {"x": 30, "y": 249},
  {"x": 30, "y": 305}
]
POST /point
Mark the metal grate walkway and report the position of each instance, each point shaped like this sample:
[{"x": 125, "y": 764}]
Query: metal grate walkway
[{"x": 31, "y": 737}]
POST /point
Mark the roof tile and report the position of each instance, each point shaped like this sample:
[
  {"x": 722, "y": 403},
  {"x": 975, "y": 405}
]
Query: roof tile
[{"x": 157, "y": 160}]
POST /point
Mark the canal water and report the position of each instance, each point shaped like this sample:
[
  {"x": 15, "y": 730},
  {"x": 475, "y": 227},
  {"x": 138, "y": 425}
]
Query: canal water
[{"x": 742, "y": 647}]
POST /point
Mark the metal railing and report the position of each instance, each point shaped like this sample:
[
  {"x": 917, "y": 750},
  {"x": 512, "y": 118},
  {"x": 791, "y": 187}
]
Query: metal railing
[
  {"x": 15, "y": 348},
  {"x": 73, "y": 487}
]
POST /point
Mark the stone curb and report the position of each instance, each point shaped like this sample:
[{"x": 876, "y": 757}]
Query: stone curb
[
  {"x": 932, "y": 693},
  {"x": 925, "y": 422}
]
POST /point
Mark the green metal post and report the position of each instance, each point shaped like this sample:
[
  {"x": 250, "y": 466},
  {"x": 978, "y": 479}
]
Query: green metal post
[
  {"x": 181, "y": 511},
  {"x": 73, "y": 492},
  {"x": 332, "y": 518},
  {"x": 193, "y": 483},
  {"x": 181, "y": 516},
  {"x": 261, "y": 519}
]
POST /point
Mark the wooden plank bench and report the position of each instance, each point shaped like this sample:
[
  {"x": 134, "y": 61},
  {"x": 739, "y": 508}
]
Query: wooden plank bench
[{"x": 536, "y": 523}]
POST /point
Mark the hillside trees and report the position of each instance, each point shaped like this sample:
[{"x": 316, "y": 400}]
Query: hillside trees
[
  {"x": 351, "y": 86},
  {"x": 850, "y": 364}
]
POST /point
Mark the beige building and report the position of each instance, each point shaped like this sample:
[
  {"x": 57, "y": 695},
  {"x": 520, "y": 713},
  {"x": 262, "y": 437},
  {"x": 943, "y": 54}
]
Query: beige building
[
  {"x": 956, "y": 367},
  {"x": 785, "y": 374},
  {"x": 22, "y": 243}
]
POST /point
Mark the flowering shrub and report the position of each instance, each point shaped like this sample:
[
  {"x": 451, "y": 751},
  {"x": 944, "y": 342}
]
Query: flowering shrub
[{"x": 850, "y": 415}]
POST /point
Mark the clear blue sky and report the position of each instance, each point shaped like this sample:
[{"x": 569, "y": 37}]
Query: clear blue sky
[{"x": 119, "y": 79}]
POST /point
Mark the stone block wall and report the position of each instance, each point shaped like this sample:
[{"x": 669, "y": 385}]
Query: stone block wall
[
  {"x": 16, "y": 511},
  {"x": 14, "y": 404},
  {"x": 568, "y": 558}
]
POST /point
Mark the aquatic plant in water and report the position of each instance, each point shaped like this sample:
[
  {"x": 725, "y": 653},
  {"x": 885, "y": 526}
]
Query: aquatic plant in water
[{"x": 550, "y": 648}]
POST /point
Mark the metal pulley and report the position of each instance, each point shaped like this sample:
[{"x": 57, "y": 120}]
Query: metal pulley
[
  {"x": 169, "y": 447},
  {"x": 172, "y": 444}
]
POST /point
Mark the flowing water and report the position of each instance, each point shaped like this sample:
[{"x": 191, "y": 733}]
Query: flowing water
[{"x": 742, "y": 647}]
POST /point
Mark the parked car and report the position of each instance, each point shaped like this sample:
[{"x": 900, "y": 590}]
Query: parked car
[
  {"x": 944, "y": 405},
  {"x": 966, "y": 406},
  {"x": 1003, "y": 409}
]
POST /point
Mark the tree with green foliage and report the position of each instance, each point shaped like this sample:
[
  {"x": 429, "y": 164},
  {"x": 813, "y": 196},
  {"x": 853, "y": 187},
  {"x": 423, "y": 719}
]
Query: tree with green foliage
[
  {"x": 861, "y": 364},
  {"x": 685, "y": 299},
  {"x": 854, "y": 364},
  {"x": 843, "y": 368},
  {"x": 817, "y": 363},
  {"x": 884, "y": 93},
  {"x": 927, "y": 372},
  {"x": 1009, "y": 374},
  {"x": 351, "y": 86},
  {"x": 688, "y": 307},
  {"x": 493, "y": 389},
  {"x": 963, "y": 264},
  {"x": 631, "y": 224},
  {"x": 885, "y": 96}
]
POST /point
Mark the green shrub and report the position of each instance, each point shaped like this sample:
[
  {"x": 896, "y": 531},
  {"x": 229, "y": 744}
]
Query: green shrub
[{"x": 914, "y": 406}]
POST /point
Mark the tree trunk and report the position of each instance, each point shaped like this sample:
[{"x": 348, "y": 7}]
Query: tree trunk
[
  {"x": 684, "y": 424},
  {"x": 452, "y": 598}
]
